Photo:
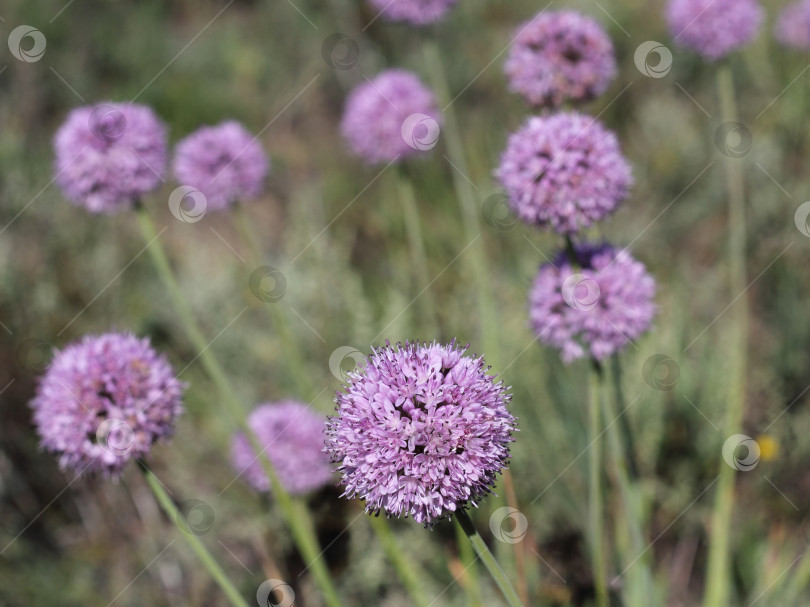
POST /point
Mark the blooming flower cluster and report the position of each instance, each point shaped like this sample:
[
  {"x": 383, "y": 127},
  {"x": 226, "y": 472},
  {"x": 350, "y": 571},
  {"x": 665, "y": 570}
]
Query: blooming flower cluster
[
  {"x": 422, "y": 430},
  {"x": 104, "y": 400},
  {"x": 109, "y": 155},
  {"x": 793, "y": 26},
  {"x": 390, "y": 117},
  {"x": 593, "y": 304},
  {"x": 560, "y": 56},
  {"x": 564, "y": 171},
  {"x": 291, "y": 434},
  {"x": 224, "y": 162},
  {"x": 714, "y": 28}
]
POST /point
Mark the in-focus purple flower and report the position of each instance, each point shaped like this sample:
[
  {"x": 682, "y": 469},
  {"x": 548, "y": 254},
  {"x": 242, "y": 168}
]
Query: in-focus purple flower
[
  {"x": 422, "y": 430},
  {"x": 793, "y": 26},
  {"x": 104, "y": 400},
  {"x": 416, "y": 12},
  {"x": 391, "y": 117},
  {"x": 714, "y": 28},
  {"x": 564, "y": 171},
  {"x": 560, "y": 56},
  {"x": 224, "y": 162},
  {"x": 109, "y": 155},
  {"x": 292, "y": 435},
  {"x": 593, "y": 307}
]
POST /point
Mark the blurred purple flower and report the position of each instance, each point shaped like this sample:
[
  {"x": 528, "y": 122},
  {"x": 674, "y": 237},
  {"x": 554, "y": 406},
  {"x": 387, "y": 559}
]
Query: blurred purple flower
[
  {"x": 793, "y": 26},
  {"x": 421, "y": 431},
  {"x": 224, "y": 162},
  {"x": 565, "y": 171},
  {"x": 416, "y": 12},
  {"x": 391, "y": 117},
  {"x": 594, "y": 307},
  {"x": 109, "y": 155},
  {"x": 292, "y": 435},
  {"x": 714, "y": 28},
  {"x": 104, "y": 400},
  {"x": 560, "y": 56}
]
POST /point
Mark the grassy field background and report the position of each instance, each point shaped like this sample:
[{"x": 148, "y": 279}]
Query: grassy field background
[{"x": 336, "y": 231}]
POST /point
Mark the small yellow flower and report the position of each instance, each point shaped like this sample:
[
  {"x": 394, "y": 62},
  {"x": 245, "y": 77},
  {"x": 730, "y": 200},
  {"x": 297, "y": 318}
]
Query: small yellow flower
[{"x": 768, "y": 447}]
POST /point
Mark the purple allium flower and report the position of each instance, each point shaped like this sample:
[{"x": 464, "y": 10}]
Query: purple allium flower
[
  {"x": 594, "y": 307},
  {"x": 292, "y": 435},
  {"x": 714, "y": 28},
  {"x": 391, "y": 117},
  {"x": 416, "y": 12},
  {"x": 560, "y": 56},
  {"x": 565, "y": 171},
  {"x": 104, "y": 400},
  {"x": 793, "y": 26},
  {"x": 422, "y": 430},
  {"x": 109, "y": 155},
  {"x": 224, "y": 162}
]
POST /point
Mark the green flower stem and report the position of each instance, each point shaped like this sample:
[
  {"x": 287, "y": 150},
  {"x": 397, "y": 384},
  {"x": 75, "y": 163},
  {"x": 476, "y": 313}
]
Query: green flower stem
[
  {"x": 468, "y": 560},
  {"x": 402, "y": 566},
  {"x": 294, "y": 512},
  {"x": 401, "y": 563},
  {"x": 197, "y": 546},
  {"x": 595, "y": 507},
  {"x": 291, "y": 349},
  {"x": 480, "y": 547},
  {"x": 416, "y": 242},
  {"x": 718, "y": 572},
  {"x": 476, "y": 260}
]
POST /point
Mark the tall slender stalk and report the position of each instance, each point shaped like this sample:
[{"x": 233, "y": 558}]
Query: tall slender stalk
[
  {"x": 193, "y": 541},
  {"x": 595, "y": 505},
  {"x": 476, "y": 260},
  {"x": 294, "y": 511},
  {"x": 717, "y": 588},
  {"x": 291, "y": 349},
  {"x": 468, "y": 559},
  {"x": 416, "y": 242},
  {"x": 404, "y": 568},
  {"x": 480, "y": 547}
]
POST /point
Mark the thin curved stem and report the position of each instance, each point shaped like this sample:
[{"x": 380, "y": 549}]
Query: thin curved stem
[
  {"x": 595, "y": 506},
  {"x": 193, "y": 541}
]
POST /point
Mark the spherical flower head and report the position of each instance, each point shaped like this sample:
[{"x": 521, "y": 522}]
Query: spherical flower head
[
  {"x": 593, "y": 307},
  {"x": 714, "y": 28},
  {"x": 104, "y": 401},
  {"x": 415, "y": 12},
  {"x": 391, "y": 117},
  {"x": 564, "y": 171},
  {"x": 291, "y": 435},
  {"x": 560, "y": 56},
  {"x": 224, "y": 162},
  {"x": 793, "y": 26},
  {"x": 109, "y": 155},
  {"x": 421, "y": 430}
]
